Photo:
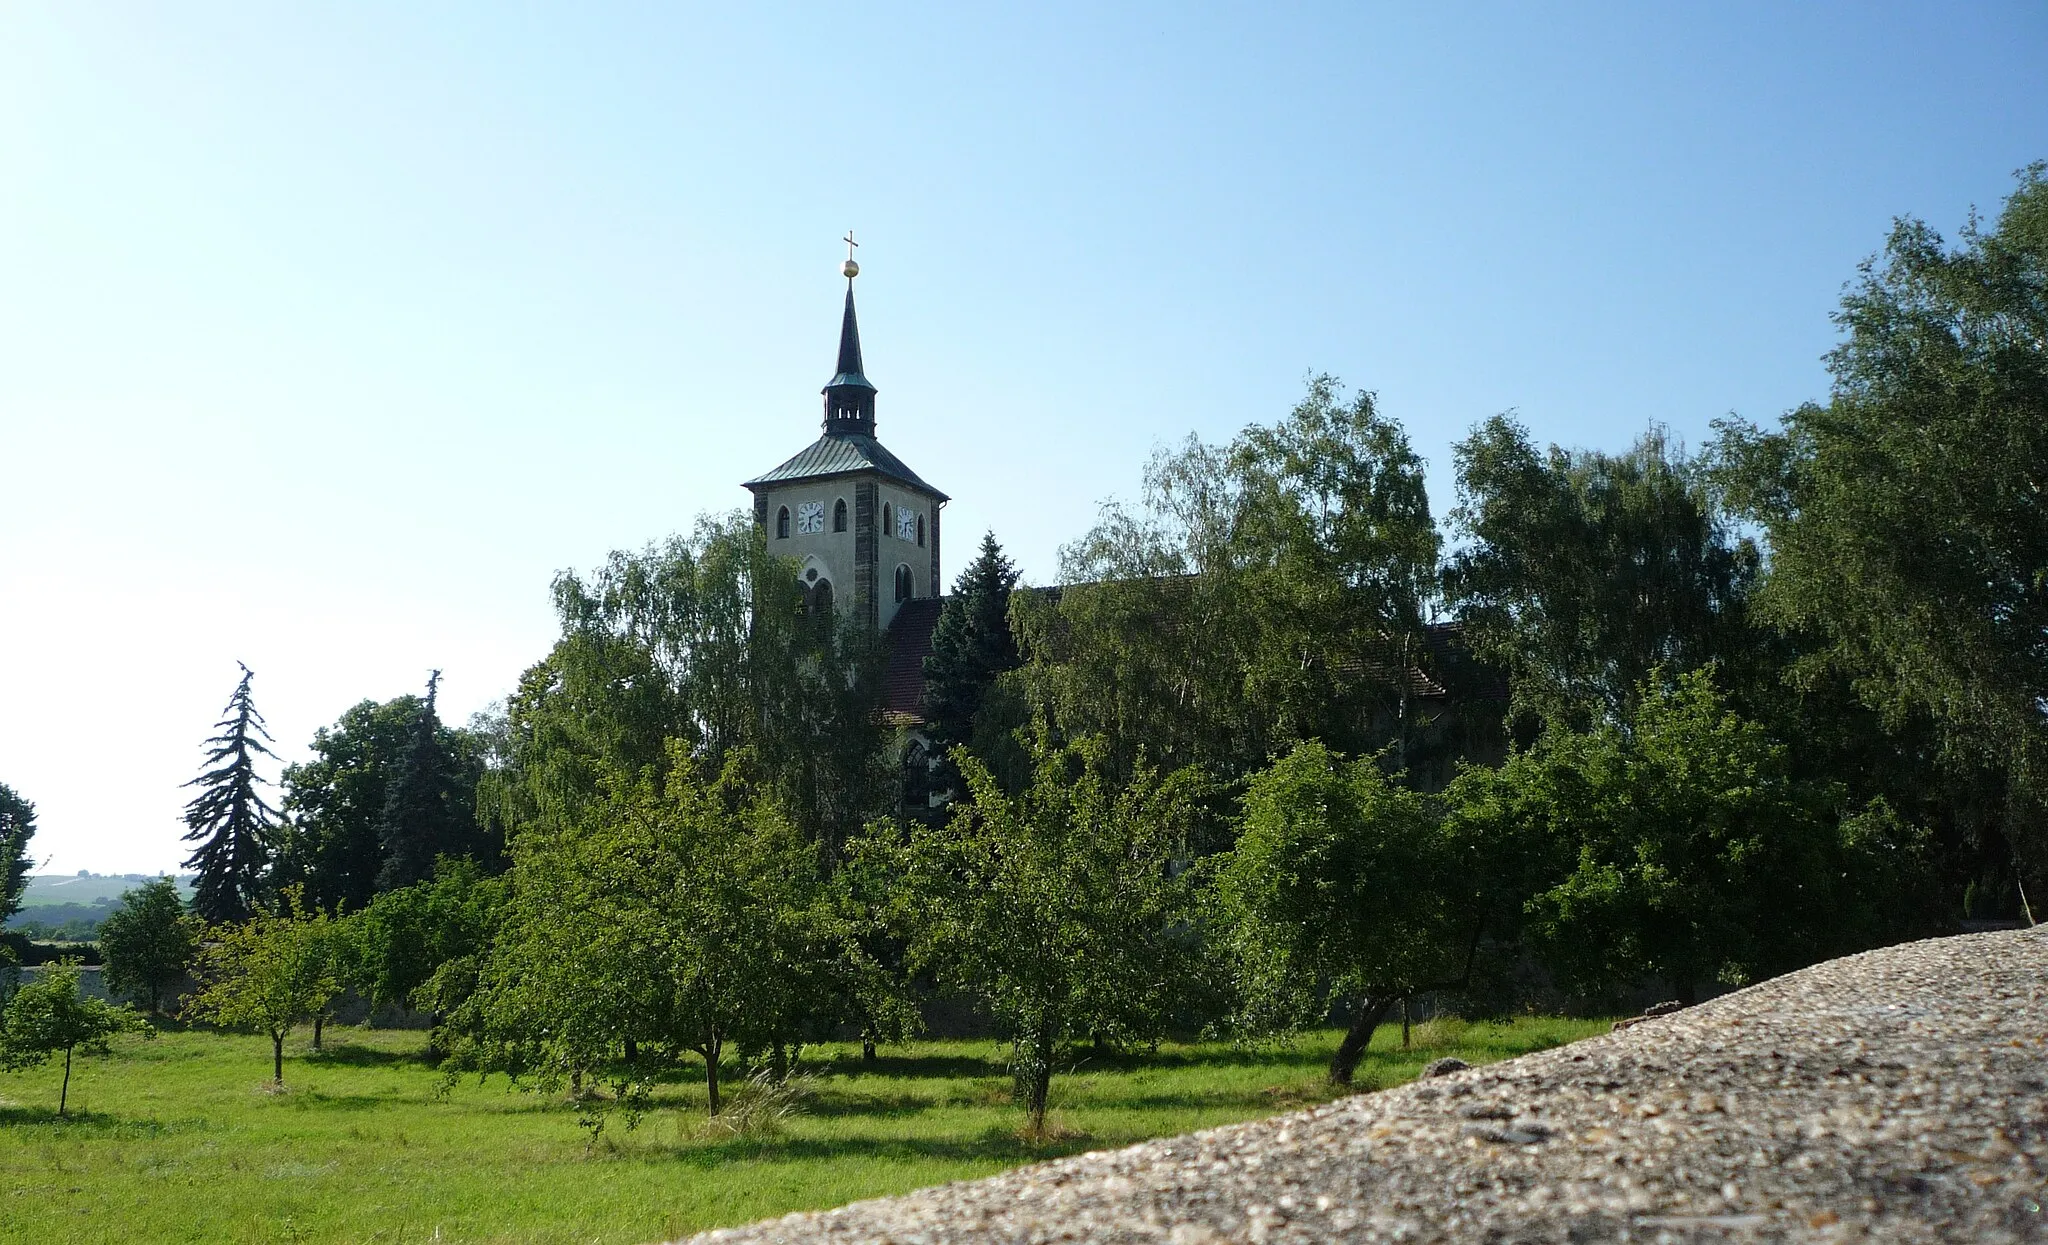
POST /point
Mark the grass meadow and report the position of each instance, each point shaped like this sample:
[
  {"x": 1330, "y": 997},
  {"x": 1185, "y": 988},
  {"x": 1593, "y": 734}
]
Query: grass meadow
[{"x": 180, "y": 1138}]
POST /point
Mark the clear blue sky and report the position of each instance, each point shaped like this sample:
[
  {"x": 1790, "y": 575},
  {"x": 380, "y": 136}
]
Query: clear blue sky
[{"x": 328, "y": 333}]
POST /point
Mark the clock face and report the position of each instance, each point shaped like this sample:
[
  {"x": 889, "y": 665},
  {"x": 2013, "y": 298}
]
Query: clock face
[
  {"x": 810, "y": 516},
  {"x": 906, "y": 525}
]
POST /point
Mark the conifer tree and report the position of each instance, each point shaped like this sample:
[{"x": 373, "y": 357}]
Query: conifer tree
[
  {"x": 421, "y": 820},
  {"x": 234, "y": 827},
  {"x": 971, "y": 647},
  {"x": 17, "y": 827}
]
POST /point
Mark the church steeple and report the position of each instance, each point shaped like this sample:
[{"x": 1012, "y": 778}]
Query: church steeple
[{"x": 849, "y": 398}]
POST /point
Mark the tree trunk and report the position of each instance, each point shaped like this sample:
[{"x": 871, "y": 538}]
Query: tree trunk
[
  {"x": 867, "y": 1048},
  {"x": 778, "y": 1062},
  {"x": 1404, "y": 1024},
  {"x": 64, "y": 1094},
  {"x": 1372, "y": 1009},
  {"x": 711, "y": 1072},
  {"x": 319, "y": 1025},
  {"x": 1036, "y": 1081},
  {"x": 155, "y": 999},
  {"x": 632, "y": 1050},
  {"x": 276, "y": 1057}
]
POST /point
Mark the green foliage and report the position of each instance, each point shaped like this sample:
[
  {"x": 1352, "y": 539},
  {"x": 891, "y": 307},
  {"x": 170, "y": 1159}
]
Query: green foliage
[
  {"x": 419, "y": 946},
  {"x": 149, "y": 942},
  {"x": 17, "y": 827},
  {"x": 702, "y": 641},
  {"x": 1059, "y": 909},
  {"x": 49, "y": 1015},
  {"x": 1587, "y": 571},
  {"x": 277, "y": 969},
  {"x": 1268, "y": 591},
  {"x": 1346, "y": 886},
  {"x": 971, "y": 648},
  {"x": 334, "y": 845},
  {"x": 1684, "y": 849},
  {"x": 430, "y": 801},
  {"x": 1905, "y": 516},
  {"x": 677, "y": 917},
  {"x": 235, "y": 829}
]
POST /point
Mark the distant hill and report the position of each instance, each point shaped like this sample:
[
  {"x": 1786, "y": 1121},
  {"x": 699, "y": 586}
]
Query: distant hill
[
  {"x": 71, "y": 906},
  {"x": 45, "y": 889}
]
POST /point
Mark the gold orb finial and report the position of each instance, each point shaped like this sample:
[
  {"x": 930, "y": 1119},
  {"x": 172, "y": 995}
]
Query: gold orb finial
[{"x": 849, "y": 269}]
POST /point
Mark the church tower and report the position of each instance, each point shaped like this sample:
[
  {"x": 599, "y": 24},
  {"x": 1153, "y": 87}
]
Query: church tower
[{"x": 863, "y": 525}]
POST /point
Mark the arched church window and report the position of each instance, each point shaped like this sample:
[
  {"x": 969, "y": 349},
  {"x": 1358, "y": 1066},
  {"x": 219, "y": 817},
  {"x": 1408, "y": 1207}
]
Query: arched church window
[
  {"x": 782, "y": 523},
  {"x": 920, "y": 531},
  {"x": 905, "y": 586},
  {"x": 886, "y": 512},
  {"x": 818, "y": 599},
  {"x": 839, "y": 515},
  {"x": 917, "y": 775}
]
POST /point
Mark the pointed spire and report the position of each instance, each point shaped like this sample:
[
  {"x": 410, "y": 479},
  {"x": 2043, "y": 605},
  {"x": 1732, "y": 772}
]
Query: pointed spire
[{"x": 849, "y": 397}]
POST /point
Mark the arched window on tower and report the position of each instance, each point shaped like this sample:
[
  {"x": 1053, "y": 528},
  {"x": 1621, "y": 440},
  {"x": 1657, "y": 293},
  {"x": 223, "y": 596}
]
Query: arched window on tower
[
  {"x": 906, "y": 587},
  {"x": 920, "y": 531},
  {"x": 839, "y": 515},
  {"x": 887, "y": 519},
  {"x": 782, "y": 523},
  {"x": 818, "y": 600}
]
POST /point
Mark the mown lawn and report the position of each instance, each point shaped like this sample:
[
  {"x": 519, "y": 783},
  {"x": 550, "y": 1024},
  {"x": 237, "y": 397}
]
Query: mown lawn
[{"x": 181, "y": 1139}]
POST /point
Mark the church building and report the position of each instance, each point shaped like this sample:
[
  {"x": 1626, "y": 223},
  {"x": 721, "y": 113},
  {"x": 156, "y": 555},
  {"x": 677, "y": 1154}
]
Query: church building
[{"x": 862, "y": 525}]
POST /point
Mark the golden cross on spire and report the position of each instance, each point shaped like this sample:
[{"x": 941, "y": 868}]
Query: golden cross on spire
[{"x": 849, "y": 269}]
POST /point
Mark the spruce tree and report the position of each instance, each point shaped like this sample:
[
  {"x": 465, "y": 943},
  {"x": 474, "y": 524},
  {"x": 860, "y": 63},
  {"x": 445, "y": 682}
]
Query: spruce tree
[
  {"x": 971, "y": 647},
  {"x": 17, "y": 827},
  {"x": 421, "y": 819},
  {"x": 229, "y": 820}
]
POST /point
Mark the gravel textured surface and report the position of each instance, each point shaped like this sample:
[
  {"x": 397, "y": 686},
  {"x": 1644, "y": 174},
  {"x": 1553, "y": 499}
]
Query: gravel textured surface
[{"x": 1899, "y": 1095}]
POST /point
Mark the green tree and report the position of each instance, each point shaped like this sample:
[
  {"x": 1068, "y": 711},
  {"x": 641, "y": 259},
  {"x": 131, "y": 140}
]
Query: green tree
[
  {"x": 1685, "y": 850},
  {"x": 270, "y": 972},
  {"x": 1586, "y": 571},
  {"x": 49, "y": 1015},
  {"x": 420, "y": 946},
  {"x": 229, "y": 820},
  {"x": 1059, "y": 909},
  {"x": 1905, "y": 518},
  {"x": 149, "y": 942},
  {"x": 1266, "y": 591},
  {"x": 971, "y": 648},
  {"x": 17, "y": 827},
  {"x": 429, "y": 801},
  {"x": 1345, "y": 887},
  {"x": 703, "y": 641},
  {"x": 333, "y": 845},
  {"x": 678, "y": 918}
]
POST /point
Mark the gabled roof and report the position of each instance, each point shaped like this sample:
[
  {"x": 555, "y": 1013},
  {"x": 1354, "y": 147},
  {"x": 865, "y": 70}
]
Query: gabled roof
[
  {"x": 909, "y": 643},
  {"x": 843, "y": 453}
]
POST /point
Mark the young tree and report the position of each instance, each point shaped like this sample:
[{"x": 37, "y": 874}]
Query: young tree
[
  {"x": 270, "y": 972},
  {"x": 971, "y": 648},
  {"x": 1905, "y": 516},
  {"x": 419, "y": 946},
  {"x": 149, "y": 942},
  {"x": 1346, "y": 886},
  {"x": 1059, "y": 909},
  {"x": 229, "y": 820},
  {"x": 679, "y": 918},
  {"x": 17, "y": 827},
  {"x": 49, "y": 1015}
]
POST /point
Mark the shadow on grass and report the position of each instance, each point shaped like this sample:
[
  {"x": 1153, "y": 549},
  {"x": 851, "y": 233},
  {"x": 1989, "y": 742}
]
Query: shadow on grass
[
  {"x": 992, "y": 1145},
  {"x": 930, "y": 1067},
  {"x": 98, "y": 1122},
  {"x": 350, "y": 1055}
]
